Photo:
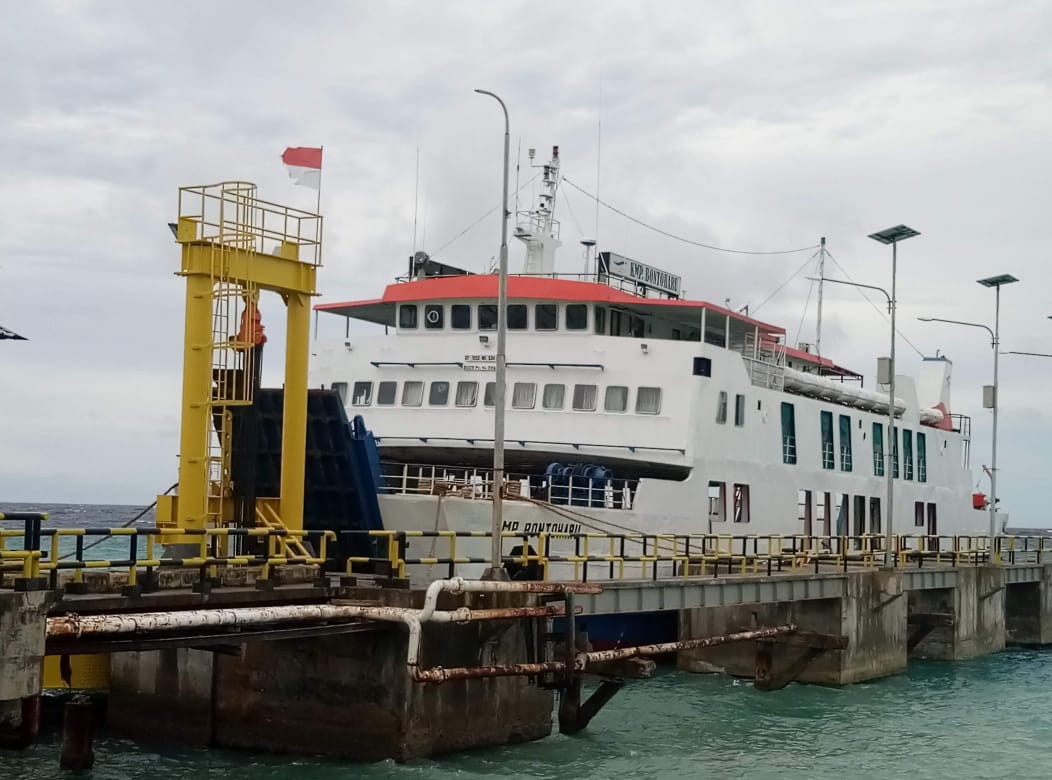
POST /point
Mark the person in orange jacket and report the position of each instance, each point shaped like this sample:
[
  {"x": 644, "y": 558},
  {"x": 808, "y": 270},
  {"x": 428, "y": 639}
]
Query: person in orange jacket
[{"x": 252, "y": 332}]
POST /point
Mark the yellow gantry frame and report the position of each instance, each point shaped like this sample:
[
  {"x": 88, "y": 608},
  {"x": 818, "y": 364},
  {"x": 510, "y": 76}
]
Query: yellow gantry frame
[{"x": 263, "y": 246}]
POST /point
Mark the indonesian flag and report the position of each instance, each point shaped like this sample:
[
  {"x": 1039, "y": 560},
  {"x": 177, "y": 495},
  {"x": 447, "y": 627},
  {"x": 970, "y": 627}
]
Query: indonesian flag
[{"x": 304, "y": 165}]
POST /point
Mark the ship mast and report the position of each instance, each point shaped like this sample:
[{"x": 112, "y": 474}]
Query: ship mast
[
  {"x": 821, "y": 284},
  {"x": 539, "y": 229}
]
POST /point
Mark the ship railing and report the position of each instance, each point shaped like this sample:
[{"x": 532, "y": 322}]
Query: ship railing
[
  {"x": 592, "y": 556},
  {"x": 34, "y": 558},
  {"x": 477, "y": 484},
  {"x": 764, "y": 360},
  {"x": 616, "y": 282}
]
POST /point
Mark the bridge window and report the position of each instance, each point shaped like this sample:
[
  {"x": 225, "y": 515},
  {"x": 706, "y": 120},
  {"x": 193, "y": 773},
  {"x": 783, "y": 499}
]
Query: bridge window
[
  {"x": 363, "y": 394},
  {"x": 739, "y": 410},
  {"x": 922, "y": 457},
  {"x": 788, "y": 433},
  {"x": 489, "y": 394},
  {"x": 523, "y": 395},
  {"x": 413, "y": 394},
  {"x": 467, "y": 393},
  {"x": 717, "y": 502},
  {"x": 487, "y": 316},
  {"x": 616, "y": 399},
  {"x": 827, "y": 440},
  {"x": 576, "y": 316},
  {"x": 439, "y": 395},
  {"x": 553, "y": 396},
  {"x": 648, "y": 400},
  {"x": 584, "y": 398},
  {"x": 600, "y": 320},
  {"x": 546, "y": 316},
  {"x": 407, "y": 316},
  {"x": 433, "y": 316},
  {"x": 386, "y": 393},
  {"x": 878, "y": 450},
  {"x": 741, "y": 503},
  {"x": 517, "y": 316},
  {"x": 907, "y": 454},
  {"x": 845, "y": 443},
  {"x": 460, "y": 316},
  {"x": 721, "y": 408}
]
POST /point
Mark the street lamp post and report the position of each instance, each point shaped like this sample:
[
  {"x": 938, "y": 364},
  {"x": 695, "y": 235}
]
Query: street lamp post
[
  {"x": 888, "y": 554},
  {"x": 892, "y": 236},
  {"x": 496, "y": 570}
]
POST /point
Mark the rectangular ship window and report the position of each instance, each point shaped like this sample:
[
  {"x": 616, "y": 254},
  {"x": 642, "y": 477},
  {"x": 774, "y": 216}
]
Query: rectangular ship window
[
  {"x": 407, "y": 316},
  {"x": 553, "y": 396},
  {"x": 878, "y": 450},
  {"x": 523, "y": 395},
  {"x": 487, "y": 316},
  {"x": 439, "y": 395},
  {"x": 412, "y": 394},
  {"x": 386, "y": 393},
  {"x": 739, "y": 410},
  {"x": 467, "y": 393},
  {"x": 576, "y": 316},
  {"x": 648, "y": 400},
  {"x": 827, "y": 440},
  {"x": 546, "y": 316},
  {"x": 721, "y": 408},
  {"x": 616, "y": 399},
  {"x": 341, "y": 391},
  {"x": 489, "y": 394},
  {"x": 584, "y": 398},
  {"x": 518, "y": 316},
  {"x": 460, "y": 316},
  {"x": 362, "y": 394}
]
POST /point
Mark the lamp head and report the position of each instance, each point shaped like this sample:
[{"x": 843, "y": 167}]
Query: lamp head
[
  {"x": 895, "y": 234},
  {"x": 997, "y": 281}
]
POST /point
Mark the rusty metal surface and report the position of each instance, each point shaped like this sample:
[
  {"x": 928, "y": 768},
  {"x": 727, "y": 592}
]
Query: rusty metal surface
[
  {"x": 439, "y": 674},
  {"x": 583, "y": 659}
]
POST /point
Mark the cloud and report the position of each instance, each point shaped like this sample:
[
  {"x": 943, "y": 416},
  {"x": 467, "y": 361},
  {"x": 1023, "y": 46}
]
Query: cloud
[{"x": 760, "y": 125}]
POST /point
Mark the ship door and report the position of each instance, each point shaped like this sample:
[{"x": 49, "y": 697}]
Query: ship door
[{"x": 933, "y": 528}]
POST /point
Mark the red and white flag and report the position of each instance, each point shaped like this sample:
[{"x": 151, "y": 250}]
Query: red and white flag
[{"x": 304, "y": 165}]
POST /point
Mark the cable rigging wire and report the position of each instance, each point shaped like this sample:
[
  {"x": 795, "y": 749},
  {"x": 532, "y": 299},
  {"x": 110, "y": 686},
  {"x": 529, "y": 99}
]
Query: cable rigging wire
[
  {"x": 869, "y": 300},
  {"x": 681, "y": 238},
  {"x": 783, "y": 284},
  {"x": 480, "y": 219}
]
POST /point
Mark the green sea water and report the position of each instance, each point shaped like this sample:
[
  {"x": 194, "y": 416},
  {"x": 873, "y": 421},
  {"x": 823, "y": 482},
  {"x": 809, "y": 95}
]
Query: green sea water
[{"x": 986, "y": 718}]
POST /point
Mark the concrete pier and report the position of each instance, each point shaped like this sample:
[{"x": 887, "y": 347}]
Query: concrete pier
[
  {"x": 22, "y": 637},
  {"x": 871, "y": 615},
  {"x": 1028, "y": 611},
  {"x": 349, "y": 695},
  {"x": 976, "y": 610}
]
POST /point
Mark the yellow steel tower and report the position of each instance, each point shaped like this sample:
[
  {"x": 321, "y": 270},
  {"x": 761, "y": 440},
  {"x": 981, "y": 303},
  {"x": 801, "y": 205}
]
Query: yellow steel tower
[{"x": 235, "y": 245}]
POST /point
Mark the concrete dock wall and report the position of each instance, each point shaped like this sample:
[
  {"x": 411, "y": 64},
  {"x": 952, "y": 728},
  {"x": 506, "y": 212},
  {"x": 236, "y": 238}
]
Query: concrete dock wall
[
  {"x": 978, "y": 609},
  {"x": 22, "y": 637}
]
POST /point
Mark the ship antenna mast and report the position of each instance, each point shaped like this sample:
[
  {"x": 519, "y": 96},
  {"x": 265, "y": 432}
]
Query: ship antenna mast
[{"x": 821, "y": 283}]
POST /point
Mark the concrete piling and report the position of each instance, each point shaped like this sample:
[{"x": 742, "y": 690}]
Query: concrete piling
[{"x": 78, "y": 734}]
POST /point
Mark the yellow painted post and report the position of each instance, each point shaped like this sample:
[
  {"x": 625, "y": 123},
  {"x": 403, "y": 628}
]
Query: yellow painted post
[
  {"x": 197, "y": 390},
  {"x": 294, "y": 425}
]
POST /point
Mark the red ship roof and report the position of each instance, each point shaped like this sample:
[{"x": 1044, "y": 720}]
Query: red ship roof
[{"x": 484, "y": 286}]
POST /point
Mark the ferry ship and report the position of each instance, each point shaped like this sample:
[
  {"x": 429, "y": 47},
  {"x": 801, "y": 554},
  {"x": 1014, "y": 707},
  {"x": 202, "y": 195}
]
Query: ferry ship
[{"x": 631, "y": 408}]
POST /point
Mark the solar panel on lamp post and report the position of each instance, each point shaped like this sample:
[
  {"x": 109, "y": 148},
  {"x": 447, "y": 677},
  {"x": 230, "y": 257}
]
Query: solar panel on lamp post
[{"x": 892, "y": 236}]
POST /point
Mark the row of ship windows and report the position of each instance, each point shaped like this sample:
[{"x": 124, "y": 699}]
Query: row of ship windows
[
  {"x": 830, "y": 451},
  {"x": 827, "y": 514},
  {"x": 432, "y": 316},
  {"x": 523, "y": 395}
]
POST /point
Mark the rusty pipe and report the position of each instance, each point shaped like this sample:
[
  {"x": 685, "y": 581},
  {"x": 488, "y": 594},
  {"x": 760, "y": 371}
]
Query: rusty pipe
[
  {"x": 461, "y": 585},
  {"x": 439, "y": 674},
  {"x": 583, "y": 659}
]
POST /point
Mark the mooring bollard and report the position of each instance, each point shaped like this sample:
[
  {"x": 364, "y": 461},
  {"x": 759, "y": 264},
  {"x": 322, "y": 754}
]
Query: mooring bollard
[{"x": 78, "y": 732}]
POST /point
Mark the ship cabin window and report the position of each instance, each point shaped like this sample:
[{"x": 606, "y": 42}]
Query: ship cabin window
[
  {"x": 434, "y": 318},
  {"x": 739, "y": 410},
  {"x": 933, "y": 524},
  {"x": 918, "y": 514},
  {"x": 439, "y": 394},
  {"x": 460, "y": 316},
  {"x": 616, "y": 399},
  {"x": 845, "y": 443},
  {"x": 827, "y": 440},
  {"x": 584, "y": 398},
  {"x": 741, "y": 503},
  {"x": 487, "y": 316},
  {"x": 895, "y": 453},
  {"x": 859, "y": 526},
  {"x": 523, "y": 395},
  {"x": 721, "y": 408},
  {"x": 907, "y": 454},
  {"x": 554, "y": 396},
  {"x": 413, "y": 394},
  {"x": 518, "y": 317},
  {"x": 467, "y": 393},
  {"x": 825, "y": 512},
  {"x": 546, "y": 316},
  {"x": 363, "y": 394},
  {"x": 341, "y": 391},
  {"x": 788, "y": 433},
  {"x": 600, "y": 320},
  {"x": 843, "y": 514},
  {"x": 386, "y": 393},
  {"x": 922, "y": 457},
  {"x": 489, "y": 394},
  {"x": 717, "y": 502},
  {"x": 648, "y": 400},
  {"x": 407, "y": 316},
  {"x": 878, "y": 450},
  {"x": 874, "y": 516},
  {"x": 576, "y": 316}
]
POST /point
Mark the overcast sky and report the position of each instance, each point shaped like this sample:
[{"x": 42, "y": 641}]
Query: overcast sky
[{"x": 752, "y": 125}]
